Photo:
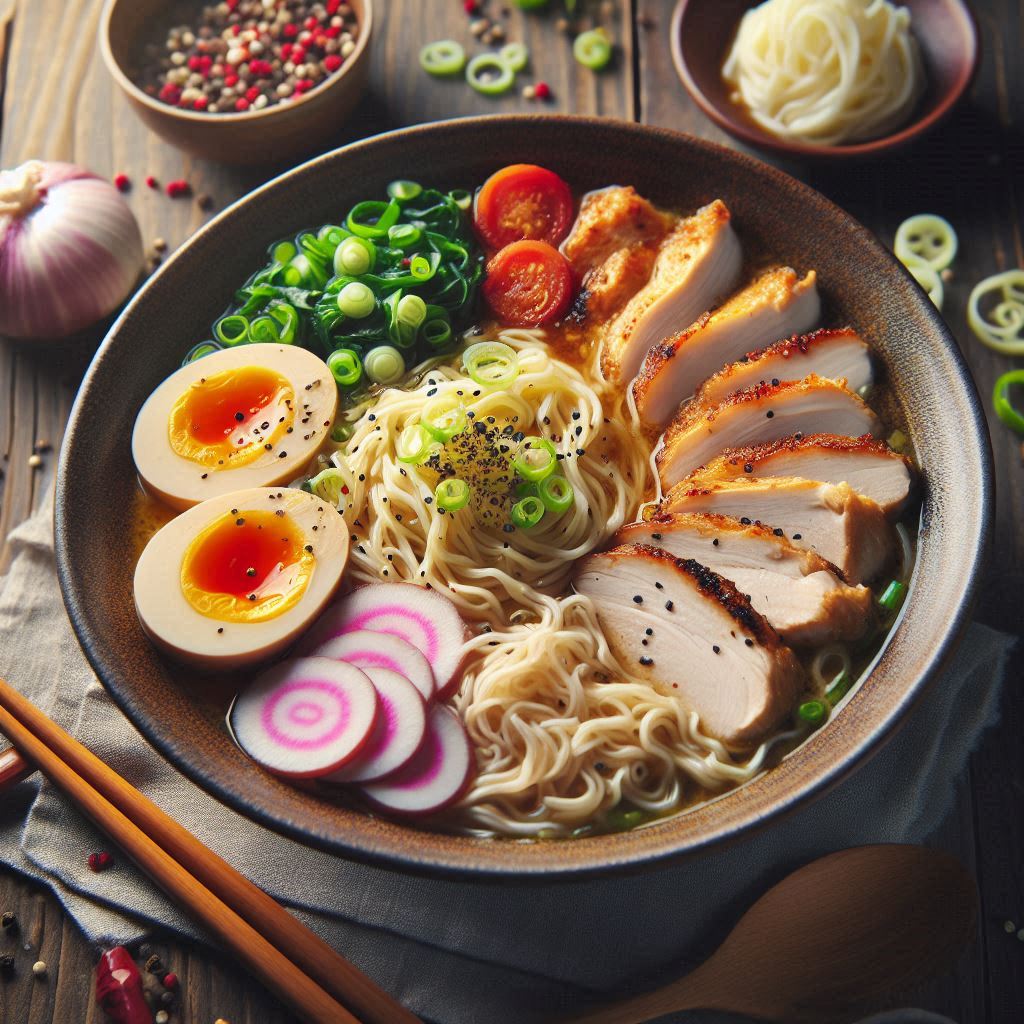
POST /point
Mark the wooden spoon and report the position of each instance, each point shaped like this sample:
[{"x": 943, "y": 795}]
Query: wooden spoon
[{"x": 827, "y": 941}]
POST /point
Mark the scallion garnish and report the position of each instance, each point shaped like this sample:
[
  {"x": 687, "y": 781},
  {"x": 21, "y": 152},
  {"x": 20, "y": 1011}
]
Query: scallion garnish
[
  {"x": 838, "y": 688},
  {"x": 329, "y": 485},
  {"x": 372, "y": 218},
  {"x": 437, "y": 332},
  {"x": 445, "y": 57},
  {"x": 413, "y": 444},
  {"x": 404, "y": 236},
  {"x": 593, "y": 49},
  {"x": 444, "y": 417},
  {"x": 812, "y": 711},
  {"x": 491, "y": 364},
  {"x": 892, "y": 596},
  {"x": 354, "y": 256},
  {"x": 1001, "y": 400},
  {"x": 452, "y": 494},
  {"x": 527, "y": 512},
  {"x": 487, "y": 73},
  {"x": 535, "y": 458},
  {"x": 283, "y": 252},
  {"x": 342, "y": 431},
  {"x": 231, "y": 330},
  {"x": 345, "y": 367},
  {"x": 461, "y": 198},
  {"x": 204, "y": 348},
  {"x": 557, "y": 494},
  {"x": 515, "y": 55},
  {"x": 403, "y": 190},
  {"x": 384, "y": 365},
  {"x": 356, "y": 300}
]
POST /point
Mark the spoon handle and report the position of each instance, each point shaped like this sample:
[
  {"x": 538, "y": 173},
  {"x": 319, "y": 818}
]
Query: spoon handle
[{"x": 694, "y": 991}]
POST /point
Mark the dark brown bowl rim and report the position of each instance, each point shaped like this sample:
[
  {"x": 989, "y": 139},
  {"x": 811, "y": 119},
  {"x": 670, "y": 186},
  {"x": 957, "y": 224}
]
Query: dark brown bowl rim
[
  {"x": 254, "y": 116},
  {"x": 640, "y": 849},
  {"x": 873, "y": 147}
]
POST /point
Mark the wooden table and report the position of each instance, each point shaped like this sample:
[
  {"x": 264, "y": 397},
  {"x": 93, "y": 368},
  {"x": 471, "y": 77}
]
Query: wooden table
[{"x": 59, "y": 103}]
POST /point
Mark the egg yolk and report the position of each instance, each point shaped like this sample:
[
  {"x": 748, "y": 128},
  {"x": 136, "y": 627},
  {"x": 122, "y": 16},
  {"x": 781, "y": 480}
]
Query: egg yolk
[
  {"x": 247, "y": 566},
  {"x": 231, "y": 418}
]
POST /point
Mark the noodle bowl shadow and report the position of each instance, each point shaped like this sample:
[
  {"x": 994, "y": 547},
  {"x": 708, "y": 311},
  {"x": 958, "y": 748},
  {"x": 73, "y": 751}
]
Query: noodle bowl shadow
[
  {"x": 703, "y": 30},
  {"x": 182, "y": 715}
]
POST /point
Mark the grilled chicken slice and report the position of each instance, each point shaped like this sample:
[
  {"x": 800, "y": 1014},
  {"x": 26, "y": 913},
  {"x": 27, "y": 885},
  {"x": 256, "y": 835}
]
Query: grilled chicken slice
[
  {"x": 835, "y": 354},
  {"x": 848, "y": 530},
  {"x": 680, "y": 627},
  {"x": 778, "y": 303},
  {"x": 760, "y": 415},
  {"x": 697, "y": 264},
  {"x": 794, "y": 589},
  {"x": 610, "y": 220},
  {"x": 609, "y": 286},
  {"x": 870, "y": 467}
]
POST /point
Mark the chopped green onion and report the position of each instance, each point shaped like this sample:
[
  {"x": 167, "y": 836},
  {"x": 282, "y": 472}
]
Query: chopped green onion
[
  {"x": 838, "y": 688},
  {"x": 384, "y": 364},
  {"x": 445, "y": 57},
  {"x": 452, "y": 494},
  {"x": 403, "y": 190},
  {"x": 342, "y": 432},
  {"x": 927, "y": 277},
  {"x": 892, "y": 596},
  {"x": 515, "y": 55},
  {"x": 926, "y": 237},
  {"x": 1001, "y": 329},
  {"x": 411, "y": 310},
  {"x": 283, "y": 252},
  {"x": 813, "y": 711},
  {"x": 535, "y": 458},
  {"x": 413, "y": 444},
  {"x": 527, "y": 512},
  {"x": 356, "y": 300},
  {"x": 593, "y": 49},
  {"x": 557, "y": 494},
  {"x": 332, "y": 234},
  {"x": 488, "y": 74},
  {"x": 404, "y": 236},
  {"x": 231, "y": 330},
  {"x": 277, "y": 325},
  {"x": 491, "y": 364},
  {"x": 437, "y": 333},
  {"x": 345, "y": 367},
  {"x": 372, "y": 218},
  {"x": 354, "y": 256},
  {"x": 1001, "y": 400},
  {"x": 897, "y": 439},
  {"x": 329, "y": 485},
  {"x": 620, "y": 820},
  {"x": 462, "y": 199},
  {"x": 424, "y": 267},
  {"x": 204, "y": 348},
  {"x": 444, "y": 417}
]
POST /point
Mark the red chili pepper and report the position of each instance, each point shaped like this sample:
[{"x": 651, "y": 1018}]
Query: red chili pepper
[
  {"x": 119, "y": 988},
  {"x": 542, "y": 91},
  {"x": 122, "y": 182}
]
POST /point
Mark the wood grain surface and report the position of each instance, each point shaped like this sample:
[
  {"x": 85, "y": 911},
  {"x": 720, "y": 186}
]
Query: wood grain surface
[{"x": 59, "y": 103}]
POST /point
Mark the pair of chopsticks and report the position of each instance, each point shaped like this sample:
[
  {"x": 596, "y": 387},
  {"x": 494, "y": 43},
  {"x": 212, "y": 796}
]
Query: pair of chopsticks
[{"x": 321, "y": 986}]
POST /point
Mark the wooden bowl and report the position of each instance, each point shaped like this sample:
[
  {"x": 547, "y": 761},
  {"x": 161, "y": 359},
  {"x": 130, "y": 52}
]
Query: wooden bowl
[
  {"x": 703, "y": 30},
  {"x": 273, "y": 134},
  {"x": 182, "y": 714}
]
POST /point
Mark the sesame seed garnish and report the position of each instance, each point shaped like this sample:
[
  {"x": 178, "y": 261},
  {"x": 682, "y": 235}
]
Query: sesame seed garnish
[
  {"x": 716, "y": 648},
  {"x": 637, "y": 599},
  {"x": 769, "y": 414},
  {"x": 659, "y": 586},
  {"x": 797, "y": 536},
  {"x": 669, "y": 606},
  {"x": 748, "y": 641},
  {"x": 649, "y": 631},
  {"x": 778, "y": 532},
  {"x": 644, "y": 660}
]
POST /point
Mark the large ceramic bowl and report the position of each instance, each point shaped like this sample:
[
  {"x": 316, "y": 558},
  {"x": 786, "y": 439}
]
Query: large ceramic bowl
[{"x": 182, "y": 716}]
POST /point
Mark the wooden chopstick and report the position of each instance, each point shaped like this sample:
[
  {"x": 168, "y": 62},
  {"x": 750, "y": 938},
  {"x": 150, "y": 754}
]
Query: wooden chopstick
[
  {"x": 202, "y": 879},
  {"x": 13, "y": 769}
]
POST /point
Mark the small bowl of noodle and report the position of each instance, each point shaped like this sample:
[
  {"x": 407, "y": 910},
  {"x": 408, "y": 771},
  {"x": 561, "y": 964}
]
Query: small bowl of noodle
[{"x": 825, "y": 78}]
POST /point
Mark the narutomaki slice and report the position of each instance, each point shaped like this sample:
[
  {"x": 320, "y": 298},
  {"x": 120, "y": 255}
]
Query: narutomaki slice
[
  {"x": 400, "y": 732},
  {"x": 436, "y": 777},
  {"x": 305, "y": 718},
  {"x": 366, "y": 649},
  {"x": 422, "y": 618}
]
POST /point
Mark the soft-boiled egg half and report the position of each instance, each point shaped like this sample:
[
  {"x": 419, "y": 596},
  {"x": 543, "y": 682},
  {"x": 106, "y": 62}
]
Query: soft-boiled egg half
[
  {"x": 249, "y": 416},
  {"x": 235, "y": 579}
]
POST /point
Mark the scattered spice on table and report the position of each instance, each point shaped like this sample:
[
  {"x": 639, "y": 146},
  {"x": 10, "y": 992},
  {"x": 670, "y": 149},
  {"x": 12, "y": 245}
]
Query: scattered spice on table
[
  {"x": 39, "y": 968},
  {"x": 122, "y": 182},
  {"x": 8, "y": 921},
  {"x": 119, "y": 988},
  {"x": 6, "y": 964},
  {"x": 242, "y": 55},
  {"x": 100, "y": 861}
]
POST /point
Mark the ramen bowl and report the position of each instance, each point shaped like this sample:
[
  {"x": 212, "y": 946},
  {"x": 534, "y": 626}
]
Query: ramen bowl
[
  {"x": 182, "y": 715},
  {"x": 703, "y": 30}
]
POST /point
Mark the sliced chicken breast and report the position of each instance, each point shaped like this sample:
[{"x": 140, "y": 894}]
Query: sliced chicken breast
[
  {"x": 846, "y": 529},
  {"x": 609, "y": 220},
  {"x": 689, "y": 633},
  {"x": 760, "y": 415},
  {"x": 794, "y": 589},
  {"x": 611, "y": 284},
  {"x": 870, "y": 467},
  {"x": 777, "y": 303},
  {"x": 697, "y": 264},
  {"x": 834, "y": 354}
]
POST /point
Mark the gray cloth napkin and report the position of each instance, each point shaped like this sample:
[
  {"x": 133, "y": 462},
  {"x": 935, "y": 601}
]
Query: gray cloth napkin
[{"x": 454, "y": 952}]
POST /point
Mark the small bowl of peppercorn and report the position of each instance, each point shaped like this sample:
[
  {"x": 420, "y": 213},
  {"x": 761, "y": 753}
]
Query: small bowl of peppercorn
[{"x": 240, "y": 81}]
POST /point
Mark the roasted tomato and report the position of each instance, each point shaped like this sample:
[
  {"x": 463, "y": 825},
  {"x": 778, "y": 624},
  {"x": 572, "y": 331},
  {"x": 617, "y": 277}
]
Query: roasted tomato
[
  {"x": 528, "y": 284},
  {"x": 523, "y": 201}
]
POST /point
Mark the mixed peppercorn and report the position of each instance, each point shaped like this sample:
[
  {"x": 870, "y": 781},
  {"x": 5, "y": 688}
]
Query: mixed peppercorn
[{"x": 246, "y": 55}]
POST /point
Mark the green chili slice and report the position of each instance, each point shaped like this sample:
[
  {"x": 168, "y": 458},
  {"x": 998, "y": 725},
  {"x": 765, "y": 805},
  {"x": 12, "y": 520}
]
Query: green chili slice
[
  {"x": 593, "y": 49},
  {"x": 813, "y": 711},
  {"x": 452, "y": 494},
  {"x": 557, "y": 494},
  {"x": 413, "y": 444},
  {"x": 892, "y": 596},
  {"x": 491, "y": 364},
  {"x": 231, "y": 330},
  {"x": 444, "y": 417},
  {"x": 535, "y": 459},
  {"x": 527, "y": 512},
  {"x": 384, "y": 364},
  {"x": 1001, "y": 400},
  {"x": 488, "y": 74},
  {"x": 1002, "y": 328},
  {"x": 345, "y": 367},
  {"x": 515, "y": 55},
  {"x": 445, "y": 57}
]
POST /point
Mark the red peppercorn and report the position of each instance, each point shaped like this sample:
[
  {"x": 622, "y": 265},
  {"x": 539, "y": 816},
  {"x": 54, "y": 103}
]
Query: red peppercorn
[
  {"x": 542, "y": 91},
  {"x": 251, "y": 93},
  {"x": 105, "y": 859},
  {"x": 286, "y": 51},
  {"x": 201, "y": 103},
  {"x": 94, "y": 861},
  {"x": 290, "y": 31},
  {"x": 176, "y": 188},
  {"x": 171, "y": 980},
  {"x": 151, "y": 182},
  {"x": 305, "y": 38},
  {"x": 470, "y": 6},
  {"x": 236, "y": 29},
  {"x": 170, "y": 93},
  {"x": 122, "y": 182},
  {"x": 241, "y": 104},
  {"x": 298, "y": 55},
  {"x": 332, "y": 6},
  {"x": 195, "y": 62},
  {"x": 231, "y": 80},
  {"x": 332, "y": 62},
  {"x": 311, "y": 23},
  {"x": 332, "y": 31}
]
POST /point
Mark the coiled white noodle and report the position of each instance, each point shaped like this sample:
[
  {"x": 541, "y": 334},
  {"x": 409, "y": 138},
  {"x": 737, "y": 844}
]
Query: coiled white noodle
[
  {"x": 826, "y": 71},
  {"x": 561, "y": 732}
]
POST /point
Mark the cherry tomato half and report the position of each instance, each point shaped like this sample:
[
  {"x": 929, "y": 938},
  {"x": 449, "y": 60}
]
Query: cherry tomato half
[
  {"x": 528, "y": 284},
  {"x": 523, "y": 201}
]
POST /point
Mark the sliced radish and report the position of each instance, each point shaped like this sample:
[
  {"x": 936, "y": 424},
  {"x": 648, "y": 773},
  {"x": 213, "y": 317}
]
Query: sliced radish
[
  {"x": 366, "y": 650},
  {"x": 307, "y": 717},
  {"x": 422, "y": 618},
  {"x": 435, "y": 777},
  {"x": 399, "y": 734}
]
